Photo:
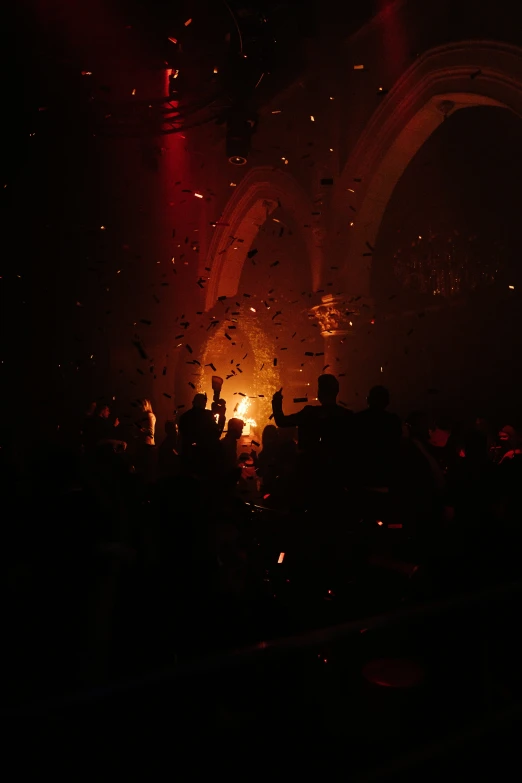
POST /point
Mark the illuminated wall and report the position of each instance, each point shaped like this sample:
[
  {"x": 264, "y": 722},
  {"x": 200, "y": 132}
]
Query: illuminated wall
[{"x": 125, "y": 245}]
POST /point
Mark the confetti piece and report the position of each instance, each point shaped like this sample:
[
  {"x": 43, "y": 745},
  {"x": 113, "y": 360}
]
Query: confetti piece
[
  {"x": 164, "y": 371},
  {"x": 475, "y": 74},
  {"x": 358, "y": 68},
  {"x": 252, "y": 253},
  {"x": 144, "y": 321},
  {"x": 140, "y": 348},
  {"x": 255, "y": 443},
  {"x": 167, "y": 395},
  {"x": 189, "y": 21},
  {"x": 327, "y": 181},
  {"x": 191, "y": 384},
  {"x": 276, "y": 263},
  {"x": 189, "y": 349},
  {"x": 281, "y": 557},
  {"x": 275, "y": 362},
  {"x": 300, "y": 399},
  {"x": 309, "y": 353},
  {"x": 512, "y": 287}
]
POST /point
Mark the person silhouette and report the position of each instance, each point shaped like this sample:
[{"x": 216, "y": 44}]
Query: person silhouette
[
  {"x": 228, "y": 446},
  {"x": 320, "y": 427},
  {"x": 199, "y": 435},
  {"x": 324, "y": 441},
  {"x": 378, "y": 436}
]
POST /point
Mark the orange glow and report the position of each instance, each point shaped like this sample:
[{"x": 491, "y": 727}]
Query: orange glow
[
  {"x": 189, "y": 21},
  {"x": 240, "y": 413},
  {"x": 281, "y": 557},
  {"x": 380, "y": 523}
]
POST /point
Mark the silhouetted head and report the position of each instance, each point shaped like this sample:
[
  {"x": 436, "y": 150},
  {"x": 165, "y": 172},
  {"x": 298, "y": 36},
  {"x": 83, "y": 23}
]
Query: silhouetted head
[
  {"x": 440, "y": 431},
  {"x": 327, "y": 389},
  {"x": 199, "y": 401},
  {"x": 270, "y": 436},
  {"x": 508, "y": 436},
  {"x": 104, "y": 412},
  {"x": 378, "y": 398},
  {"x": 235, "y": 428}
]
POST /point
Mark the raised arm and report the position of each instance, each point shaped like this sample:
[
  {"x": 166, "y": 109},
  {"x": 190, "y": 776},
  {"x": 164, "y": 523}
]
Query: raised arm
[{"x": 292, "y": 420}]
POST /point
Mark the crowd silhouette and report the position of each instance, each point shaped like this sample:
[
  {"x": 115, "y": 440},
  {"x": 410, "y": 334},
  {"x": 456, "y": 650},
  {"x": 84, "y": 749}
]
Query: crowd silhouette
[{"x": 118, "y": 539}]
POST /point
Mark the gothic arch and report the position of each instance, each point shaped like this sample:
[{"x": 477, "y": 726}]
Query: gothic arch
[
  {"x": 257, "y": 195},
  {"x": 440, "y": 82}
]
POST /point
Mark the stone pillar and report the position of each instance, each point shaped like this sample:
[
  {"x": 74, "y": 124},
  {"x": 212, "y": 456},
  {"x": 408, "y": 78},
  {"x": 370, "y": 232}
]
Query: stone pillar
[{"x": 339, "y": 319}]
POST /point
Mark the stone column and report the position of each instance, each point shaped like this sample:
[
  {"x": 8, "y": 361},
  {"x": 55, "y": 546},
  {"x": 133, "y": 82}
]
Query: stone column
[{"x": 339, "y": 320}]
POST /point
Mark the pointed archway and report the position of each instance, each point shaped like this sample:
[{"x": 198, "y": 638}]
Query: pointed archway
[
  {"x": 259, "y": 193},
  {"x": 440, "y": 82}
]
